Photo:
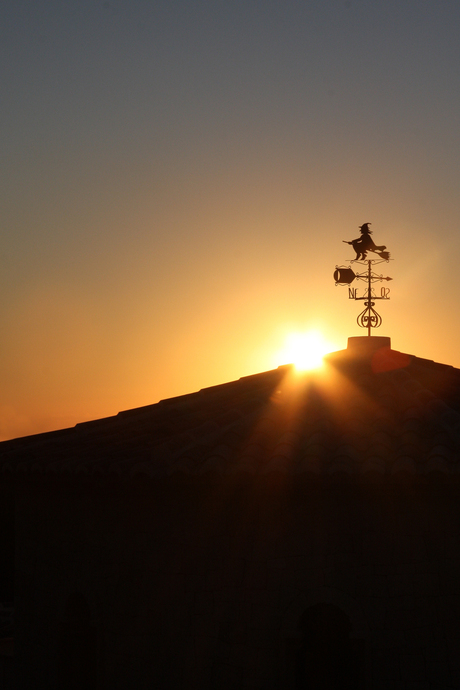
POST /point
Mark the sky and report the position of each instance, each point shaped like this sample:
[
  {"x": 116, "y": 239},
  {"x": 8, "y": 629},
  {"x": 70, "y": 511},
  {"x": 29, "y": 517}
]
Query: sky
[{"x": 179, "y": 176}]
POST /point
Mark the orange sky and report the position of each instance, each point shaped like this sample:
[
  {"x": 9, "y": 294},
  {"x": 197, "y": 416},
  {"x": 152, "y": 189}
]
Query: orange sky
[{"x": 178, "y": 179}]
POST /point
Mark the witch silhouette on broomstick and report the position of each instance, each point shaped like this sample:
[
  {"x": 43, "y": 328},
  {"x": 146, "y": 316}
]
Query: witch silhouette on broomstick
[{"x": 365, "y": 244}]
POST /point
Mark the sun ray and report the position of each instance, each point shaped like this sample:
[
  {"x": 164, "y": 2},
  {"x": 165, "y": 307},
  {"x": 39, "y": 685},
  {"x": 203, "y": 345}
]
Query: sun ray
[{"x": 305, "y": 350}]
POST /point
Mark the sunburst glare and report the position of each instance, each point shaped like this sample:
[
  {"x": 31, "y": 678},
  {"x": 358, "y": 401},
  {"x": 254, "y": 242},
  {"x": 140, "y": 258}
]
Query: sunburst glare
[{"x": 305, "y": 350}]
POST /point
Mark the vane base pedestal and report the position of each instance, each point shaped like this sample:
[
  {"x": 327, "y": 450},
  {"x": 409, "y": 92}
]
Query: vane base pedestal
[{"x": 367, "y": 344}]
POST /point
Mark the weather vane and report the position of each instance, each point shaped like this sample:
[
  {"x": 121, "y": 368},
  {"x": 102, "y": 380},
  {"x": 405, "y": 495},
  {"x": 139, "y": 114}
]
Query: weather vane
[{"x": 345, "y": 275}]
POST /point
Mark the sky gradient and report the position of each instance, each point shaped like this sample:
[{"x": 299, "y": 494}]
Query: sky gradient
[{"x": 178, "y": 178}]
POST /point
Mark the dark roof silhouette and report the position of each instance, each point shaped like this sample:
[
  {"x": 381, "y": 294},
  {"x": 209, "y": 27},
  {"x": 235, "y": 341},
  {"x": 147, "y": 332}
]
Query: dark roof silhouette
[{"x": 371, "y": 413}]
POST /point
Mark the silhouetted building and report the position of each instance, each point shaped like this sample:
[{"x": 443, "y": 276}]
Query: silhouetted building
[{"x": 280, "y": 531}]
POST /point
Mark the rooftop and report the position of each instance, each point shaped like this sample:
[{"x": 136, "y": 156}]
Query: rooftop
[{"x": 370, "y": 412}]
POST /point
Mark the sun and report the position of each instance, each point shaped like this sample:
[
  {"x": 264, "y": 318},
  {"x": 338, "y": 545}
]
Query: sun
[{"x": 305, "y": 350}]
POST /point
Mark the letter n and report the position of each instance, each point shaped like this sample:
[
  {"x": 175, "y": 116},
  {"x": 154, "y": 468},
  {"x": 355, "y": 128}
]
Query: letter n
[{"x": 352, "y": 292}]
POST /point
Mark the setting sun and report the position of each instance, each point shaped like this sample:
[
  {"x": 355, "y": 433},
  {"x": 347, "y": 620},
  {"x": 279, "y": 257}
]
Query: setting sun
[{"x": 305, "y": 350}]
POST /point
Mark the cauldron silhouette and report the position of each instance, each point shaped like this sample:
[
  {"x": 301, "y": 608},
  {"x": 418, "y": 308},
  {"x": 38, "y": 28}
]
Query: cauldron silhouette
[{"x": 344, "y": 275}]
